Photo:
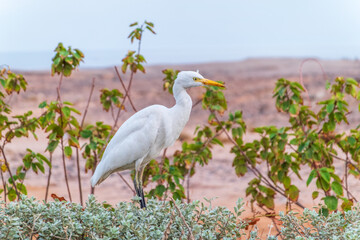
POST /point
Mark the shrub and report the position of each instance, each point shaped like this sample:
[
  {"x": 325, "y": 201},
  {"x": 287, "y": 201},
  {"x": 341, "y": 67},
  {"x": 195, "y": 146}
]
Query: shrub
[
  {"x": 32, "y": 219},
  {"x": 313, "y": 224},
  {"x": 29, "y": 218}
]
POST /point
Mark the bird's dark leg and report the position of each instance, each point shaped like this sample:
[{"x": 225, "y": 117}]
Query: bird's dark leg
[
  {"x": 138, "y": 187},
  {"x": 143, "y": 203},
  {"x": 141, "y": 188}
]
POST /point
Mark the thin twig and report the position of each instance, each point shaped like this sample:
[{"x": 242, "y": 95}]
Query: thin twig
[
  {"x": 207, "y": 142},
  {"x": 62, "y": 142},
  {"x": 92, "y": 191},
  {"x": 48, "y": 180},
  {"x": 301, "y": 75},
  {"x": 32, "y": 229},
  {"x": 271, "y": 216},
  {"x": 127, "y": 95},
  {"x": 9, "y": 171},
  {"x": 115, "y": 123},
  {"x": 190, "y": 236},
  {"x": 338, "y": 158},
  {"x": 78, "y": 175},
  {"x": 59, "y": 87},
  {"x": 64, "y": 166},
  {"x": 88, "y": 102},
  {"x": 125, "y": 89},
  {"x": 350, "y": 194},
  {"x": 196, "y": 103},
  {"x": 346, "y": 176},
  {"x": 129, "y": 186},
  {"x": 4, "y": 184},
  {"x": 168, "y": 227},
  {"x": 78, "y": 137},
  {"x": 188, "y": 188},
  {"x": 253, "y": 169}
]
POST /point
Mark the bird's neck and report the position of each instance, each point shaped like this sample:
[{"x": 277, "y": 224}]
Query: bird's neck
[
  {"x": 182, "y": 98},
  {"x": 182, "y": 107}
]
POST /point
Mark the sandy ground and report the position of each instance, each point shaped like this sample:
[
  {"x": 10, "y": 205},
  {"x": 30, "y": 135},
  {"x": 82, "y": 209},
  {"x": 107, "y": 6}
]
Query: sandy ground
[{"x": 249, "y": 88}]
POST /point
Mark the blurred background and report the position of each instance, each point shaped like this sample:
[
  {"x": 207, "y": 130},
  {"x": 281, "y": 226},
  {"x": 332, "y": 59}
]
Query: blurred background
[
  {"x": 187, "y": 31},
  {"x": 246, "y": 44}
]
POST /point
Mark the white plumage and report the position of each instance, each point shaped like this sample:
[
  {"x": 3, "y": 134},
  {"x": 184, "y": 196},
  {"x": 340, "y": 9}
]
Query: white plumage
[{"x": 145, "y": 134}]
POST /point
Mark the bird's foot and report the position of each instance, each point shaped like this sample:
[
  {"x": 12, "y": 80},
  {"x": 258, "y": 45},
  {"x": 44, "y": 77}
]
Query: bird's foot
[
  {"x": 140, "y": 193},
  {"x": 142, "y": 201}
]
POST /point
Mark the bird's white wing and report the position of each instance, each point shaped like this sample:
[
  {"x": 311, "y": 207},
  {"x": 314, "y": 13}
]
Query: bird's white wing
[{"x": 132, "y": 141}]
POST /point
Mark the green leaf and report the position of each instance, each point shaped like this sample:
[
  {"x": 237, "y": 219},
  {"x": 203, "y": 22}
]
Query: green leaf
[
  {"x": 328, "y": 84},
  {"x": 52, "y": 146},
  {"x": 75, "y": 111},
  {"x": 293, "y": 193},
  {"x": 218, "y": 142},
  {"x": 67, "y": 70},
  {"x": 330, "y": 107},
  {"x": 325, "y": 174},
  {"x": 331, "y": 202},
  {"x": 21, "y": 187},
  {"x": 324, "y": 212},
  {"x": 293, "y": 109},
  {"x": 39, "y": 166},
  {"x": 311, "y": 177},
  {"x": 66, "y": 111},
  {"x": 338, "y": 116},
  {"x": 12, "y": 194},
  {"x": 315, "y": 194},
  {"x": 43, "y": 104},
  {"x": 150, "y": 29},
  {"x": 74, "y": 142},
  {"x": 86, "y": 133},
  {"x": 43, "y": 158},
  {"x": 352, "y": 81},
  {"x": 286, "y": 182},
  {"x": 133, "y": 24},
  {"x": 346, "y": 205},
  {"x": 351, "y": 140},
  {"x": 64, "y": 53},
  {"x": 240, "y": 169},
  {"x": 68, "y": 151},
  {"x": 337, "y": 188},
  {"x": 160, "y": 189},
  {"x": 269, "y": 202}
]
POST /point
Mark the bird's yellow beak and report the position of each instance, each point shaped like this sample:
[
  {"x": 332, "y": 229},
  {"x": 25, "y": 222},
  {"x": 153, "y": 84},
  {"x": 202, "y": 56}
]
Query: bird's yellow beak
[{"x": 210, "y": 82}]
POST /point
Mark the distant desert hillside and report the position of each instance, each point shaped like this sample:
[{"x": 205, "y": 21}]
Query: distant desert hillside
[{"x": 249, "y": 86}]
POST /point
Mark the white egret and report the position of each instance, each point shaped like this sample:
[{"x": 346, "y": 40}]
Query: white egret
[{"x": 145, "y": 134}]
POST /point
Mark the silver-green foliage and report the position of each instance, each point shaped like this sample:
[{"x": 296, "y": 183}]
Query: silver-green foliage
[
  {"x": 161, "y": 220},
  {"x": 31, "y": 219},
  {"x": 314, "y": 225}
]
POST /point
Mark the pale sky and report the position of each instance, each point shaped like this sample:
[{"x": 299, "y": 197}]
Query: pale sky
[{"x": 187, "y": 31}]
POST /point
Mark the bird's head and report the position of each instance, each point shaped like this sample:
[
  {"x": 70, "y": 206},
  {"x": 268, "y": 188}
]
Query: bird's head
[{"x": 188, "y": 79}]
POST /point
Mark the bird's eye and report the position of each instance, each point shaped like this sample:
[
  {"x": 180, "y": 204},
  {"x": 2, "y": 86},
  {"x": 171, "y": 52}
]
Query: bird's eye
[{"x": 195, "y": 78}]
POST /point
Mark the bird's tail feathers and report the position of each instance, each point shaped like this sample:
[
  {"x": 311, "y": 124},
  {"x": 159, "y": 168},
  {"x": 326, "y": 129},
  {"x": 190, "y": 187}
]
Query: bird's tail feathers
[{"x": 96, "y": 179}]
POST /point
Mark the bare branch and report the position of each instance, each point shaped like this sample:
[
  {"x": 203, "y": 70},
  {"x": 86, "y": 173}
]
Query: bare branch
[
  {"x": 191, "y": 236},
  {"x": 129, "y": 186},
  {"x": 9, "y": 171},
  {"x": 168, "y": 228},
  {"x": 4, "y": 184},
  {"x": 77, "y": 149},
  {"x": 125, "y": 89},
  {"x": 301, "y": 75},
  {"x": 62, "y": 141},
  {"x": 88, "y": 102},
  {"x": 48, "y": 180},
  {"x": 253, "y": 169}
]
